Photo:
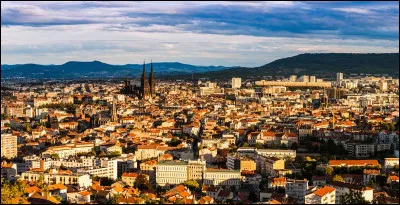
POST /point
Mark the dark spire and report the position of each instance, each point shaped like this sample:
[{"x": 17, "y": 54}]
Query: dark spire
[
  {"x": 144, "y": 69},
  {"x": 151, "y": 66}
]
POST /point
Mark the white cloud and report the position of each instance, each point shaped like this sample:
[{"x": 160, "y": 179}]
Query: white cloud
[{"x": 353, "y": 10}]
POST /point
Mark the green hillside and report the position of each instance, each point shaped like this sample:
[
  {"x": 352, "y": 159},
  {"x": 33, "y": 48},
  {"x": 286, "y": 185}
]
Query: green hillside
[{"x": 319, "y": 64}]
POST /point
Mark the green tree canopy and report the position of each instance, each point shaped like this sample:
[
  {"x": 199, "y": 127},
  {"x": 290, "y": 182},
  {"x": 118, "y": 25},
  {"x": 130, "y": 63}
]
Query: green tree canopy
[
  {"x": 142, "y": 183},
  {"x": 353, "y": 197}
]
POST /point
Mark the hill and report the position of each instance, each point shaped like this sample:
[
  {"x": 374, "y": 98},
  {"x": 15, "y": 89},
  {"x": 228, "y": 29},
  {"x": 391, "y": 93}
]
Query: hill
[
  {"x": 97, "y": 69},
  {"x": 319, "y": 64}
]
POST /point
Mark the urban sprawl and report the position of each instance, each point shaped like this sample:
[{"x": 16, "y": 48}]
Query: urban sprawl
[{"x": 297, "y": 140}]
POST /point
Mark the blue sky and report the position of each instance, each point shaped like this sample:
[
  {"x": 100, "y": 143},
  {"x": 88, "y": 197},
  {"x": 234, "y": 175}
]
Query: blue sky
[{"x": 200, "y": 33}]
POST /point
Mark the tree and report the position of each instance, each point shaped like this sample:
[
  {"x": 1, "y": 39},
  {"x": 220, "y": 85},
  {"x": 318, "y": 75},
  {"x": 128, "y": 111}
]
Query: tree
[
  {"x": 371, "y": 183},
  {"x": 258, "y": 145},
  {"x": 55, "y": 156},
  {"x": 59, "y": 198},
  {"x": 283, "y": 146},
  {"x": 102, "y": 154},
  {"x": 113, "y": 199},
  {"x": 180, "y": 201},
  {"x": 27, "y": 128},
  {"x": 353, "y": 197},
  {"x": 253, "y": 196},
  {"x": 294, "y": 146},
  {"x": 142, "y": 183},
  {"x": 192, "y": 184},
  {"x": 62, "y": 167},
  {"x": 338, "y": 178},
  {"x": 329, "y": 171},
  {"x": 380, "y": 199}
]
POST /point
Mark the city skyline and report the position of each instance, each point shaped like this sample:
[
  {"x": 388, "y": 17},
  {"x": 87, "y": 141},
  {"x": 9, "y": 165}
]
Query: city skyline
[{"x": 199, "y": 33}]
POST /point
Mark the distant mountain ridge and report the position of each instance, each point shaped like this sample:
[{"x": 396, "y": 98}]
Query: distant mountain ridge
[
  {"x": 97, "y": 69},
  {"x": 319, "y": 64}
]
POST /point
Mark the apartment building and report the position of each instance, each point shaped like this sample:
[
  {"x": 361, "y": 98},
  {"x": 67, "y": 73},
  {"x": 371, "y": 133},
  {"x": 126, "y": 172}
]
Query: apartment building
[
  {"x": 171, "y": 172},
  {"x": 103, "y": 168},
  {"x": 129, "y": 178},
  {"x": 360, "y": 150},
  {"x": 325, "y": 195},
  {"x": 269, "y": 165},
  {"x": 237, "y": 162},
  {"x": 150, "y": 151},
  {"x": 222, "y": 177},
  {"x": 297, "y": 189},
  {"x": 64, "y": 151},
  {"x": 196, "y": 169},
  {"x": 149, "y": 168},
  {"x": 279, "y": 153},
  {"x": 351, "y": 163},
  {"x": 9, "y": 145},
  {"x": 59, "y": 177}
]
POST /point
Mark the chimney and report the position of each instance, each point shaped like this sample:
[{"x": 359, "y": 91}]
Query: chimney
[{"x": 41, "y": 164}]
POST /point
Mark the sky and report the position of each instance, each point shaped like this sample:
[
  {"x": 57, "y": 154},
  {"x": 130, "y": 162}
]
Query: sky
[{"x": 199, "y": 33}]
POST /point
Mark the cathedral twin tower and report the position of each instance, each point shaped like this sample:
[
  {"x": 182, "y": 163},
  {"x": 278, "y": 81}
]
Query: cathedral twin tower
[{"x": 147, "y": 87}]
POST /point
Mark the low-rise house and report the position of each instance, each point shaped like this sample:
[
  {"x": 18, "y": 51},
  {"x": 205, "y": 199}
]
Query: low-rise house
[
  {"x": 343, "y": 188},
  {"x": 325, "y": 195},
  {"x": 8, "y": 171}
]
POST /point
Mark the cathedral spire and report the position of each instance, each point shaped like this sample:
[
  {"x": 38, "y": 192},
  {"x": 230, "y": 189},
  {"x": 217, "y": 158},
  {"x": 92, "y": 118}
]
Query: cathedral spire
[
  {"x": 144, "y": 69},
  {"x": 151, "y": 68}
]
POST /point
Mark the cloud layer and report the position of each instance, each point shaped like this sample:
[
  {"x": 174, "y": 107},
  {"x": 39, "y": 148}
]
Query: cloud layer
[{"x": 219, "y": 33}]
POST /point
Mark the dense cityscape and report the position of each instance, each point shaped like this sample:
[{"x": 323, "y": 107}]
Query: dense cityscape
[
  {"x": 199, "y": 102},
  {"x": 297, "y": 140}
]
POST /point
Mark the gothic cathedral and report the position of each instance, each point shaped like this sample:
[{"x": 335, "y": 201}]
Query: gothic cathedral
[{"x": 147, "y": 87}]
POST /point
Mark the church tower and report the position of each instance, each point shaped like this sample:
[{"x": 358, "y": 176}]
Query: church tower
[
  {"x": 145, "y": 88},
  {"x": 152, "y": 81},
  {"x": 114, "y": 117}
]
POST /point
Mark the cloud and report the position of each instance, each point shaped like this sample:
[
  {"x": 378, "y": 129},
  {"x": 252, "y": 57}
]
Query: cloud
[
  {"x": 232, "y": 33},
  {"x": 353, "y": 10}
]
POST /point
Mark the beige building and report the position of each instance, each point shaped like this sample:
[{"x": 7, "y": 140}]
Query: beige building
[
  {"x": 279, "y": 153},
  {"x": 269, "y": 165},
  {"x": 8, "y": 146},
  {"x": 149, "y": 168},
  {"x": 64, "y": 151},
  {"x": 59, "y": 177},
  {"x": 247, "y": 164},
  {"x": 196, "y": 169},
  {"x": 171, "y": 172},
  {"x": 222, "y": 177},
  {"x": 129, "y": 178},
  {"x": 325, "y": 195},
  {"x": 176, "y": 172}
]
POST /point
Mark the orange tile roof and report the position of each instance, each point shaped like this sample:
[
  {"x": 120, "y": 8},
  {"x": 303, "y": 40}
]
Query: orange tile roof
[
  {"x": 394, "y": 178},
  {"x": 85, "y": 193},
  {"x": 32, "y": 189},
  {"x": 128, "y": 174},
  {"x": 323, "y": 191},
  {"x": 57, "y": 187},
  {"x": 371, "y": 171}
]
